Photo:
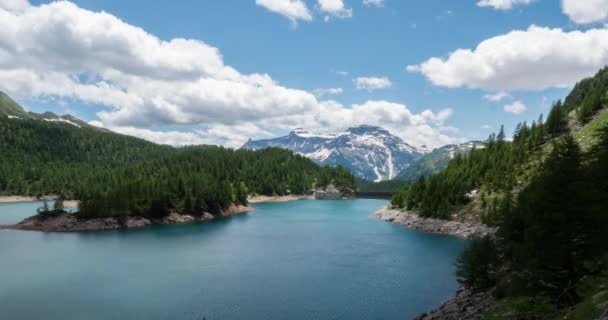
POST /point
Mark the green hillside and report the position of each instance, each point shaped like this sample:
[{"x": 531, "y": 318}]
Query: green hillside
[
  {"x": 546, "y": 193},
  {"x": 8, "y": 107},
  {"x": 116, "y": 175}
]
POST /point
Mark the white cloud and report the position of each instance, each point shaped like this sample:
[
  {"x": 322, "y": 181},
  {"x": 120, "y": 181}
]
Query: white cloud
[
  {"x": 496, "y": 97},
  {"x": 327, "y": 91},
  {"x": 62, "y": 51},
  {"x": 532, "y": 59},
  {"x": 373, "y": 3},
  {"x": 502, "y": 4},
  {"x": 342, "y": 73},
  {"x": 516, "y": 107},
  {"x": 334, "y": 8},
  {"x": 486, "y": 127},
  {"x": 293, "y": 10},
  {"x": 419, "y": 129},
  {"x": 585, "y": 11},
  {"x": 372, "y": 83},
  {"x": 14, "y": 5}
]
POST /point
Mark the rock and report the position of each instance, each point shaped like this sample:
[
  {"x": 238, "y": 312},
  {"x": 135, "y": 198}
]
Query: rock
[
  {"x": 67, "y": 222},
  {"x": 413, "y": 221},
  {"x": 465, "y": 306},
  {"x": 137, "y": 222},
  {"x": 234, "y": 209},
  {"x": 332, "y": 193},
  {"x": 175, "y": 218}
]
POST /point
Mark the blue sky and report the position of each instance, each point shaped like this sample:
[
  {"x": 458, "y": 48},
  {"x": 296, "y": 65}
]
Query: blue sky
[{"x": 428, "y": 103}]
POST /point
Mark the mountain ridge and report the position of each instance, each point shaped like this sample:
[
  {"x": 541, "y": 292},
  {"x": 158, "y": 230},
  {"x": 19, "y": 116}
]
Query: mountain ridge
[
  {"x": 371, "y": 152},
  {"x": 11, "y": 109}
]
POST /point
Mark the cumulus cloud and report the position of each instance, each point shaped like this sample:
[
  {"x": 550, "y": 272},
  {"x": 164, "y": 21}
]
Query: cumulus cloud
[
  {"x": 320, "y": 92},
  {"x": 585, "y": 11},
  {"x": 373, "y": 3},
  {"x": 502, "y": 4},
  {"x": 14, "y": 5},
  {"x": 532, "y": 59},
  {"x": 62, "y": 51},
  {"x": 372, "y": 83},
  {"x": 334, "y": 8},
  {"x": 516, "y": 107},
  {"x": 293, "y": 10}
]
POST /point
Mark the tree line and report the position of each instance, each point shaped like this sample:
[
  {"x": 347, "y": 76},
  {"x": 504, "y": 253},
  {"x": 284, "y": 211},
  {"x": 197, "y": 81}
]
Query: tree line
[
  {"x": 117, "y": 175},
  {"x": 548, "y": 200}
]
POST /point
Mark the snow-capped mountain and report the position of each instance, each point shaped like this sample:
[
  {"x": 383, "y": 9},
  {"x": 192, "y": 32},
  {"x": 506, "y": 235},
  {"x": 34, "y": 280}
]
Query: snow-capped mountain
[{"x": 370, "y": 152}]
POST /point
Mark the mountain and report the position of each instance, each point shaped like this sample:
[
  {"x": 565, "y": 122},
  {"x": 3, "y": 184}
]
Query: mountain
[
  {"x": 116, "y": 175},
  {"x": 370, "y": 152},
  {"x": 11, "y": 109},
  {"x": 545, "y": 192},
  {"x": 437, "y": 160}
]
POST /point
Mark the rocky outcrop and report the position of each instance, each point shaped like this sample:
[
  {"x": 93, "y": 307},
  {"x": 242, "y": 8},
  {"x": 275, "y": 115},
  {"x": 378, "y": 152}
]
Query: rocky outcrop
[
  {"x": 413, "y": 221},
  {"x": 332, "y": 193},
  {"x": 465, "y": 306},
  {"x": 67, "y": 222}
]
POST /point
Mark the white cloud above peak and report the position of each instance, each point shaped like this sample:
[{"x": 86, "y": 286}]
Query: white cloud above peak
[
  {"x": 502, "y": 4},
  {"x": 372, "y": 83},
  {"x": 293, "y": 10},
  {"x": 534, "y": 59},
  {"x": 146, "y": 85},
  {"x": 585, "y": 11}
]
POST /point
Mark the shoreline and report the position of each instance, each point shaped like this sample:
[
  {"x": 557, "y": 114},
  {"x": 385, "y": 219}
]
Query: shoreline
[
  {"x": 67, "y": 222},
  {"x": 277, "y": 199},
  {"x": 466, "y": 305},
  {"x": 431, "y": 225},
  {"x": 9, "y": 199},
  {"x": 14, "y": 199}
]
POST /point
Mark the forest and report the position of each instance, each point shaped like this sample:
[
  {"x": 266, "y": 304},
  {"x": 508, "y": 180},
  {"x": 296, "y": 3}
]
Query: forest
[
  {"x": 117, "y": 175},
  {"x": 547, "y": 196}
]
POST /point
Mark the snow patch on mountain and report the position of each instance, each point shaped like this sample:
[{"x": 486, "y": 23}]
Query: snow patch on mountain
[{"x": 370, "y": 152}]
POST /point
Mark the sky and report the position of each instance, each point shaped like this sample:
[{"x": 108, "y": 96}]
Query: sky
[{"x": 185, "y": 72}]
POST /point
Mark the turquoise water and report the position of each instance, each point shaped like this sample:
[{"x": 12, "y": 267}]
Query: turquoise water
[
  {"x": 11, "y": 213},
  {"x": 296, "y": 260}
]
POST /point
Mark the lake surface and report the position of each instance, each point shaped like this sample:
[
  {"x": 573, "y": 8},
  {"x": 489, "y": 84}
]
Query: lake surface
[{"x": 297, "y": 260}]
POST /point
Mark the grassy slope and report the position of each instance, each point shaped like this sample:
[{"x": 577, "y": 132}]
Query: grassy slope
[
  {"x": 593, "y": 290},
  {"x": 586, "y": 136},
  {"x": 9, "y": 107}
]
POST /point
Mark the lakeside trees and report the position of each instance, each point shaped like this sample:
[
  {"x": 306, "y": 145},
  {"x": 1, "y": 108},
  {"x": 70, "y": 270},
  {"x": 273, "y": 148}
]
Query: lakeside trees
[
  {"x": 549, "y": 204},
  {"x": 116, "y": 175}
]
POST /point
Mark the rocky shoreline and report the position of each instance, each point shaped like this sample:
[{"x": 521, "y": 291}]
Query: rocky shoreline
[
  {"x": 465, "y": 306},
  {"x": 438, "y": 226},
  {"x": 66, "y": 222}
]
